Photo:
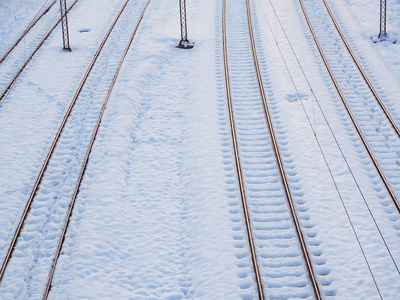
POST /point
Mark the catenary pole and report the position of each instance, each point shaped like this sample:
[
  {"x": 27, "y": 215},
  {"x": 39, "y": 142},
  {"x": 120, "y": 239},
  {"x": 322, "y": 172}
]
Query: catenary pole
[
  {"x": 184, "y": 43},
  {"x": 64, "y": 24},
  {"x": 382, "y": 31}
]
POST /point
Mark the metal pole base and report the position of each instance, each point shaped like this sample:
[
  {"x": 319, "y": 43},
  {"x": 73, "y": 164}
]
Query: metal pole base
[
  {"x": 383, "y": 38},
  {"x": 67, "y": 49},
  {"x": 185, "y": 44}
]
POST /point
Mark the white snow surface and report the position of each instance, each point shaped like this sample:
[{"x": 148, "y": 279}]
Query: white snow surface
[{"x": 159, "y": 213}]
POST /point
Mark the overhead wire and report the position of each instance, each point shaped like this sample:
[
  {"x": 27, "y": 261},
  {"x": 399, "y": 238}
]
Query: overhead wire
[
  {"x": 320, "y": 146},
  {"x": 331, "y": 131}
]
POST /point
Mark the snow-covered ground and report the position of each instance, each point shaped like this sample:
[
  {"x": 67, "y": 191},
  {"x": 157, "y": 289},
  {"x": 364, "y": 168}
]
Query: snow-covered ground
[
  {"x": 14, "y": 56},
  {"x": 320, "y": 197},
  {"x": 15, "y": 18},
  {"x": 159, "y": 214}
]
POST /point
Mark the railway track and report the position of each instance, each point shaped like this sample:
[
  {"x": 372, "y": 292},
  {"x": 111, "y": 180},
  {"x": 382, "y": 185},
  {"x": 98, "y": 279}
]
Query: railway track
[
  {"x": 256, "y": 164},
  {"x": 371, "y": 214},
  {"x": 375, "y": 126},
  {"x": 65, "y": 164},
  {"x": 12, "y": 64},
  {"x": 31, "y": 25},
  {"x": 267, "y": 204}
]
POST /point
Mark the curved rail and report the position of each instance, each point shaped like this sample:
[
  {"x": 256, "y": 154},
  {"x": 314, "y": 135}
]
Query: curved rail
[
  {"x": 277, "y": 155},
  {"x": 238, "y": 167},
  {"x": 76, "y": 191},
  {"x": 279, "y": 160},
  {"x": 361, "y": 69},
  {"x": 50, "y": 153},
  {"x": 30, "y": 57},
  {"x": 380, "y": 172},
  {"x": 26, "y": 31}
]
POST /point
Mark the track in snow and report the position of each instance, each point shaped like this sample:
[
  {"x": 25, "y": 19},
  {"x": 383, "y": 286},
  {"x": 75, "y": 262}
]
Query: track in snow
[
  {"x": 34, "y": 251},
  {"x": 378, "y": 131},
  {"x": 21, "y": 53},
  {"x": 279, "y": 258},
  {"x": 382, "y": 199},
  {"x": 37, "y": 18}
]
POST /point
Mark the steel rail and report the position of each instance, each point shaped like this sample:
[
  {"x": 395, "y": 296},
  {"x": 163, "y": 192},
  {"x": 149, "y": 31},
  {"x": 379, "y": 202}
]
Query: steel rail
[
  {"x": 84, "y": 166},
  {"x": 237, "y": 160},
  {"x": 52, "y": 147},
  {"x": 26, "y": 31},
  {"x": 279, "y": 160},
  {"x": 33, "y": 53},
  {"x": 367, "y": 81},
  {"x": 380, "y": 172}
]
